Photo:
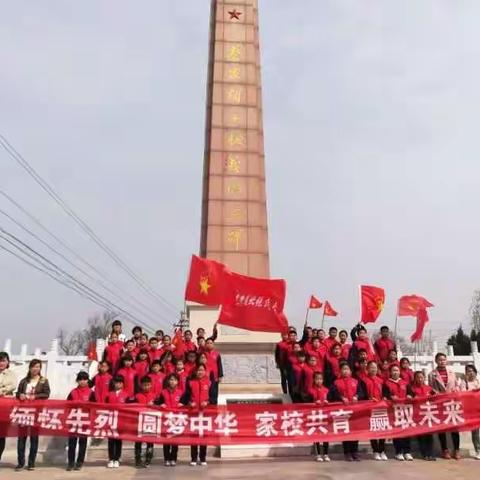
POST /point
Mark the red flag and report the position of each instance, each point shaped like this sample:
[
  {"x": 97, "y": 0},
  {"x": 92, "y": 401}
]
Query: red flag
[
  {"x": 205, "y": 281},
  {"x": 409, "y": 305},
  {"x": 92, "y": 352},
  {"x": 315, "y": 302},
  {"x": 373, "y": 300},
  {"x": 422, "y": 320},
  {"x": 253, "y": 303},
  {"x": 329, "y": 311}
]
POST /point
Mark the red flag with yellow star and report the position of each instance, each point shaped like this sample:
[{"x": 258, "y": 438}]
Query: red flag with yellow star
[
  {"x": 205, "y": 282},
  {"x": 409, "y": 305},
  {"x": 373, "y": 300}
]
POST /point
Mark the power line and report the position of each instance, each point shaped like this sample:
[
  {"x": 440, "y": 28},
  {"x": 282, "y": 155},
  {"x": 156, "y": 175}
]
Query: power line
[
  {"x": 65, "y": 284},
  {"x": 83, "y": 225},
  {"x": 72, "y": 281},
  {"x": 152, "y": 316}
]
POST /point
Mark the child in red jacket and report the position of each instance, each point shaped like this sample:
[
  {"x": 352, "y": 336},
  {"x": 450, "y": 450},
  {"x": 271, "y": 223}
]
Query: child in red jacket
[
  {"x": 82, "y": 393},
  {"x": 373, "y": 389},
  {"x": 131, "y": 349},
  {"x": 129, "y": 375},
  {"x": 171, "y": 397},
  {"x": 396, "y": 389},
  {"x": 181, "y": 373},
  {"x": 405, "y": 371},
  {"x": 198, "y": 396},
  {"x": 146, "y": 396},
  {"x": 318, "y": 394},
  {"x": 142, "y": 363},
  {"x": 157, "y": 377},
  {"x": 214, "y": 364},
  {"x": 384, "y": 344},
  {"x": 347, "y": 390},
  {"x": 116, "y": 396},
  {"x": 419, "y": 388},
  {"x": 113, "y": 352},
  {"x": 102, "y": 382}
]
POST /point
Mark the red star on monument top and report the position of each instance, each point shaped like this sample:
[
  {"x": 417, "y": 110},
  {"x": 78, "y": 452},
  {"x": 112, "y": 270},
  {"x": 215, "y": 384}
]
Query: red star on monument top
[{"x": 234, "y": 14}]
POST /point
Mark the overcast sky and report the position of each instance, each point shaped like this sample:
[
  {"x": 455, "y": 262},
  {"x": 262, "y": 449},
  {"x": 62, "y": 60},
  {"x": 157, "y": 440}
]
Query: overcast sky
[{"x": 371, "y": 130}]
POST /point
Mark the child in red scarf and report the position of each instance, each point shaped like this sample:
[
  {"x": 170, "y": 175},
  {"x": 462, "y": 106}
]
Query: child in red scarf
[
  {"x": 318, "y": 394},
  {"x": 83, "y": 393}
]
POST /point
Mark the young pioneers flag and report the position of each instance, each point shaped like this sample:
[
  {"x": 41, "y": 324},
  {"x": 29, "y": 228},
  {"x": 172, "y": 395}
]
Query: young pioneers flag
[
  {"x": 329, "y": 311},
  {"x": 373, "y": 300},
  {"x": 253, "y": 303},
  {"x": 205, "y": 282},
  {"x": 314, "y": 302},
  {"x": 409, "y": 305}
]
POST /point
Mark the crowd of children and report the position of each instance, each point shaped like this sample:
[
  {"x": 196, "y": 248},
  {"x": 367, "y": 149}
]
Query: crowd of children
[
  {"x": 323, "y": 368},
  {"x": 148, "y": 371},
  {"x": 317, "y": 368}
]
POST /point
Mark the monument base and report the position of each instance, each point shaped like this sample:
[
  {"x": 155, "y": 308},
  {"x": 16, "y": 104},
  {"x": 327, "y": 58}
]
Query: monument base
[{"x": 255, "y": 450}]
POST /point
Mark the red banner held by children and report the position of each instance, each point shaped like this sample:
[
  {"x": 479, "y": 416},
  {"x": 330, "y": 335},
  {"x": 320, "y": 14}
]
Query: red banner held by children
[{"x": 244, "y": 424}]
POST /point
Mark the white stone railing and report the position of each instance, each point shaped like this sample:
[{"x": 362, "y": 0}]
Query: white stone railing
[{"x": 61, "y": 370}]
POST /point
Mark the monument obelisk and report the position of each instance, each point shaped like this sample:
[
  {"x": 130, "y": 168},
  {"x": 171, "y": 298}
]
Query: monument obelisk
[
  {"x": 234, "y": 209},
  {"x": 234, "y": 212}
]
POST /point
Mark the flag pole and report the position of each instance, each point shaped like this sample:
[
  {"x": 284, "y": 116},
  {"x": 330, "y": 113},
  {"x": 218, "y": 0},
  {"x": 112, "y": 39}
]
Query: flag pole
[
  {"x": 306, "y": 315},
  {"x": 396, "y": 323},
  {"x": 323, "y": 316},
  {"x": 415, "y": 357}
]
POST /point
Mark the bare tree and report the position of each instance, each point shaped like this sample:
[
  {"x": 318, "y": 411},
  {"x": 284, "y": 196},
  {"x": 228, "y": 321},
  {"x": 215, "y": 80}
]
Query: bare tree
[
  {"x": 69, "y": 342},
  {"x": 475, "y": 311},
  {"x": 78, "y": 342}
]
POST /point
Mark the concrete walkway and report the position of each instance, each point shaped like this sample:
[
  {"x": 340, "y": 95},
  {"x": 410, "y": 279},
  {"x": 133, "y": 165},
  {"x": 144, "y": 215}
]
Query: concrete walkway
[{"x": 275, "y": 469}]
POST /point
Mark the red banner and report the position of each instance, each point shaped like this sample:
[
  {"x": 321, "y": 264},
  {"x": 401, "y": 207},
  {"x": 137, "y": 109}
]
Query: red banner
[
  {"x": 244, "y": 423},
  {"x": 254, "y": 304}
]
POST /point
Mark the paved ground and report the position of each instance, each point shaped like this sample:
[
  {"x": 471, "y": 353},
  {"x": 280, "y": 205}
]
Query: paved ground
[{"x": 301, "y": 469}]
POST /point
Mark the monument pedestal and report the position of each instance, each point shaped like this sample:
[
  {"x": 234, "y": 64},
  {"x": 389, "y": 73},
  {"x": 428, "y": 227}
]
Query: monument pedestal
[{"x": 250, "y": 376}]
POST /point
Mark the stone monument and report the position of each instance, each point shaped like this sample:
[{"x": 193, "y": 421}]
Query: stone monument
[{"x": 234, "y": 212}]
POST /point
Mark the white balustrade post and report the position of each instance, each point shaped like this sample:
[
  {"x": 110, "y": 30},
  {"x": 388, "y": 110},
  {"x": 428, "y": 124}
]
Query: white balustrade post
[
  {"x": 8, "y": 346},
  {"x": 475, "y": 355},
  {"x": 100, "y": 347},
  {"x": 52, "y": 370},
  {"x": 450, "y": 352}
]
